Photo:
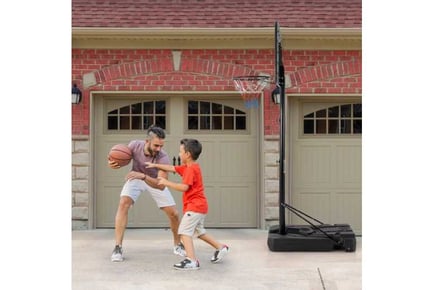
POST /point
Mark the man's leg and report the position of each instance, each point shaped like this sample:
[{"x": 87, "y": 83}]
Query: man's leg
[
  {"x": 173, "y": 215},
  {"x": 121, "y": 221}
]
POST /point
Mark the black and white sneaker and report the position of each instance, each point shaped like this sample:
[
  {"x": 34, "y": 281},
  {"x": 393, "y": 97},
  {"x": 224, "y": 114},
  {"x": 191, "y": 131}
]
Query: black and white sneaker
[
  {"x": 117, "y": 255},
  {"x": 187, "y": 264},
  {"x": 219, "y": 254}
]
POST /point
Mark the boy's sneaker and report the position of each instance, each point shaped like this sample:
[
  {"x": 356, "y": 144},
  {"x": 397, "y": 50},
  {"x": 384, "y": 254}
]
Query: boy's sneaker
[
  {"x": 117, "y": 254},
  {"x": 219, "y": 254},
  {"x": 187, "y": 264},
  {"x": 179, "y": 250}
]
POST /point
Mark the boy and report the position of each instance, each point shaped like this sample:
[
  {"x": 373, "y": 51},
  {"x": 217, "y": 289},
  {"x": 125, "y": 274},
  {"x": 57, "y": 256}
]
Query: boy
[{"x": 195, "y": 205}]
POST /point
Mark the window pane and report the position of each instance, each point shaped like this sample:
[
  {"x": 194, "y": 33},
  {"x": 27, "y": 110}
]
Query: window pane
[
  {"x": 193, "y": 122},
  {"x": 333, "y": 126},
  {"x": 193, "y": 107},
  {"x": 346, "y": 126},
  {"x": 228, "y": 110},
  {"x": 216, "y": 108},
  {"x": 321, "y": 126},
  {"x": 115, "y": 112},
  {"x": 217, "y": 122},
  {"x": 238, "y": 112},
  {"x": 321, "y": 114},
  {"x": 357, "y": 109},
  {"x": 136, "y": 122},
  {"x": 204, "y": 123},
  {"x": 308, "y": 127},
  {"x": 346, "y": 111},
  {"x": 148, "y": 107},
  {"x": 240, "y": 123},
  {"x": 124, "y": 110},
  {"x": 147, "y": 122},
  {"x": 229, "y": 122},
  {"x": 125, "y": 122},
  {"x": 333, "y": 112},
  {"x": 205, "y": 107},
  {"x": 112, "y": 123},
  {"x": 160, "y": 107},
  {"x": 160, "y": 121},
  {"x": 357, "y": 126},
  {"x": 309, "y": 115},
  {"x": 136, "y": 108}
]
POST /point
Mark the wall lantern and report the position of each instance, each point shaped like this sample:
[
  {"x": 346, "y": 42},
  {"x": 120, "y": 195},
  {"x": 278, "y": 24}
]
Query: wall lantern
[
  {"x": 275, "y": 95},
  {"x": 76, "y": 95}
]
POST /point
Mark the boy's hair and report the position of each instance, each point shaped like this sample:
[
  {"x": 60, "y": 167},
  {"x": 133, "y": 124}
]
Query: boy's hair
[
  {"x": 155, "y": 131},
  {"x": 193, "y": 147}
]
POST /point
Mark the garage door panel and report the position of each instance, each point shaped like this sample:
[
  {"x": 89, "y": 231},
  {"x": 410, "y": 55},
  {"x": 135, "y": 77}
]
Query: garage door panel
[
  {"x": 237, "y": 210},
  {"x": 107, "y": 204},
  {"x": 326, "y": 165},
  {"x": 312, "y": 165},
  {"x": 221, "y": 161},
  {"x": 348, "y": 209},
  {"x": 314, "y": 203},
  {"x": 349, "y": 159},
  {"x": 241, "y": 151}
]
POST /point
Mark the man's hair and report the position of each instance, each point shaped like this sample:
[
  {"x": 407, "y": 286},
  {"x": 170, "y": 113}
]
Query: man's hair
[
  {"x": 155, "y": 131},
  {"x": 193, "y": 147}
]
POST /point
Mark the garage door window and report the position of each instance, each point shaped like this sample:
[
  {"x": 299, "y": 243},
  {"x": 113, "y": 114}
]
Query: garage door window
[
  {"x": 138, "y": 116},
  {"x": 213, "y": 116},
  {"x": 343, "y": 119}
]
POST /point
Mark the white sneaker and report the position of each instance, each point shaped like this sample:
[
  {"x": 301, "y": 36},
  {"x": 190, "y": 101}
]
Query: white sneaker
[
  {"x": 179, "y": 250},
  {"x": 219, "y": 254},
  {"x": 187, "y": 264},
  {"x": 117, "y": 255}
]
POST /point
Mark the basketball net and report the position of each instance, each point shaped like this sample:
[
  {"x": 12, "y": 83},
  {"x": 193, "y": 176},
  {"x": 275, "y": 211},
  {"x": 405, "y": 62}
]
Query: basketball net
[{"x": 250, "y": 88}]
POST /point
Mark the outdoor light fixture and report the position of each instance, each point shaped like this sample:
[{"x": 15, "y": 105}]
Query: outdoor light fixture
[
  {"x": 76, "y": 95},
  {"x": 275, "y": 95}
]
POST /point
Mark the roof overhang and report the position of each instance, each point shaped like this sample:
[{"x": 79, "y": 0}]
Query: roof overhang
[{"x": 216, "y": 38}]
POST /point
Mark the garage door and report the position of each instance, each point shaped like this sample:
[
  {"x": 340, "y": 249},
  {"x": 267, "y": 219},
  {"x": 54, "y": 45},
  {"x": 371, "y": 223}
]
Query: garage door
[
  {"x": 229, "y": 160},
  {"x": 326, "y": 152}
]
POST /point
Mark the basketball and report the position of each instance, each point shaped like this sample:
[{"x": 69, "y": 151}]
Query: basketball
[{"x": 121, "y": 154}]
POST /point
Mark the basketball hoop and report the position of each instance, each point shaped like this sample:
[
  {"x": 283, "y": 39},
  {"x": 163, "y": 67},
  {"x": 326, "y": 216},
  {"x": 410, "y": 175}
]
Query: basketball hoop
[{"x": 250, "y": 88}]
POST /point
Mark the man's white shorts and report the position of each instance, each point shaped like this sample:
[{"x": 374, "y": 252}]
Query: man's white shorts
[{"x": 134, "y": 187}]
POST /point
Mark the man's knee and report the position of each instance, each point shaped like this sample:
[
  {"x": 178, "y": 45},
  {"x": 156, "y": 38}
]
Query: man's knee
[
  {"x": 125, "y": 203},
  {"x": 171, "y": 212}
]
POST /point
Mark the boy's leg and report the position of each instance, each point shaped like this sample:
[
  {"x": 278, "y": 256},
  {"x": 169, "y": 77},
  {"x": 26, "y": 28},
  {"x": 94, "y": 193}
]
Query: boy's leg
[
  {"x": 211, "y": 241},
  {"x": 189, "y": 247}
]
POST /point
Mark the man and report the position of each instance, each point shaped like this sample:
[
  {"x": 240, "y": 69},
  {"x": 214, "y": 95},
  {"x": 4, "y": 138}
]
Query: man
[{"x": 141, "y": 179}]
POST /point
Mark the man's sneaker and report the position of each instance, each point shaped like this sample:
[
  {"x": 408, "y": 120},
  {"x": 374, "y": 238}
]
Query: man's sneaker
[
  {"x": 117, "y": 254},
  {"x": 219, "y": 254},
  {"x": 187, "y": 264},
  {"x": 179, "y": 250}
]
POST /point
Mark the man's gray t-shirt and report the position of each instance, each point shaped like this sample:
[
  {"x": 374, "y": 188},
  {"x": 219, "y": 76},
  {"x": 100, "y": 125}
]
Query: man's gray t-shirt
[{"x": 139, "y": 158}]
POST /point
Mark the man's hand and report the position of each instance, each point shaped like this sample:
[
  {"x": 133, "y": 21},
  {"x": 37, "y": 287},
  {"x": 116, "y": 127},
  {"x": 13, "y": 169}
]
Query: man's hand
[
  {"x": 135, "y": 175},
  {"x": 113, "y": 164},
  {"x": 162, "y": 181}
]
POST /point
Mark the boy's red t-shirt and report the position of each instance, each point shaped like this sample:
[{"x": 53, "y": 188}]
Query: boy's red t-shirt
[{"x": 194, "y": 198}]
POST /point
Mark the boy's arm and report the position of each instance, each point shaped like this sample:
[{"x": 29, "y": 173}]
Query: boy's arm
[
  {"x": 173, "y": 185},
  {"x": 165, "y": 167}
]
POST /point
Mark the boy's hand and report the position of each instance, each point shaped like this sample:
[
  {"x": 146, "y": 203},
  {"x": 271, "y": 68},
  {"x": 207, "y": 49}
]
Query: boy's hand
[{"x": 150, "y": 165}]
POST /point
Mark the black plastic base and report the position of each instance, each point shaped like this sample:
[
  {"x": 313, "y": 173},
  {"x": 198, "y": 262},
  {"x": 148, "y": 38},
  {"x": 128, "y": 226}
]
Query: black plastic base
[{"x": 307, "y": 238}]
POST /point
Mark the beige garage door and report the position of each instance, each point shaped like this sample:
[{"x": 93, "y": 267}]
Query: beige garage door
[
  {"x": 326, "y": 155},
  {"x": 229, "y": 160}
]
